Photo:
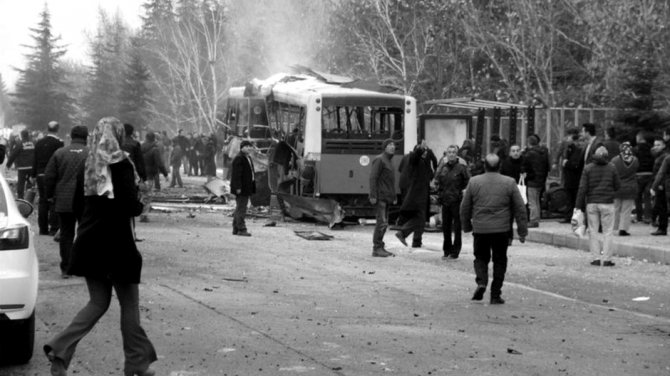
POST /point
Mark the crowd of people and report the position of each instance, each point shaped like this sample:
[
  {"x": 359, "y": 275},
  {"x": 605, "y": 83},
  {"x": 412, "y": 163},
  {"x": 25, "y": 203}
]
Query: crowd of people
[
  {"x": 610, "y": 181},
  {"x": 94, "y": 187}
]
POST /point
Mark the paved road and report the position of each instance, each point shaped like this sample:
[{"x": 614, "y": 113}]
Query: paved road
[{"x": 276, "y": 304}]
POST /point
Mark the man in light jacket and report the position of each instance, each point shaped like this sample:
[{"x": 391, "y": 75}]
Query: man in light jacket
[{"x": 490, "y": 202}]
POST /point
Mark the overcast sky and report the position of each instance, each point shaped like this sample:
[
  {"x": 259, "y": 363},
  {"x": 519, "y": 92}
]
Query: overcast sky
[{"x": 73, "y": 20}]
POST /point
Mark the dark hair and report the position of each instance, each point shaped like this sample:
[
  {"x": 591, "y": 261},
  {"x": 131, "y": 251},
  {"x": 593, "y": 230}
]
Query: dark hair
[
  {"x": 590, "y": 128},
  {"x": 79, "y": 132},
  {"x": 150, "y": 136},
  {"x": 245, "y": 143},
  {"x": 25, "y": 134},
  {"x": 495, "y": 138},
  {"x": 491, "y": 166},
  {"x": 533, "y": 139},
  {"x": 611, "y": 132},
  {"x": 128, "y": 129},
  {"x": 573, "y": 132}
]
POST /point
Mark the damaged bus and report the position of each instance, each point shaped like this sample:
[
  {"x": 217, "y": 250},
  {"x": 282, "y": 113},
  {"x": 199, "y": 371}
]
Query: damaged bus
[{"x": 320, "y": 135}]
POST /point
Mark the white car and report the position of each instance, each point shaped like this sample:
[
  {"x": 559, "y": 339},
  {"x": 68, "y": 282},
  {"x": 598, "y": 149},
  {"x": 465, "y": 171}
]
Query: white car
[{"x": 19, "y": 275}]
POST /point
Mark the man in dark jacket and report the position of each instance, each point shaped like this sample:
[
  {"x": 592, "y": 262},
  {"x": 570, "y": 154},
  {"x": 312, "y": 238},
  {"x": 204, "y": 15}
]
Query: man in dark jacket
[
  {"x": 537, "y": 166},
  {"x": 134, "y": 150},
  {"x": 44, "y": 149},
  {"x": 597, "y": 185},
  {"x": 23, "y": 156},
  {"x": 242, "y": 185},
  {"x": 451, "y": 179},
  {"x": 153, "y": 162},
  {"x": 417, "y": 199},
  {"x": 593, "y": 142},
  {"x": 382, "y": 194},
  {"x": 572, "y": 171},
  {"x": 657, "y": 189},
  {"x": 185, "y": 145},
  {"x": 512, "y": 165},
  {"x": 660, "y": 187},
  {"x": 63, "y": 179},
  {"x": 490, "y": 203},
  {"x": 644, "y": 176},
  {"x": 153, "y": 167}
]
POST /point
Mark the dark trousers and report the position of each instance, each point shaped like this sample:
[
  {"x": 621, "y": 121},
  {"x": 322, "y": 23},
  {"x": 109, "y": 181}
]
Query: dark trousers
[
  {"x": 382, "y": 223},
  {"x": 21, "y": 179},
  {"x": 643, "y": 207},
  {"x": 47, "y": 219},
  {"x": 451, "y": 221},
  {"x": 240, "y": 212},
  {"x": 193, "y": 165},
  {"x": 571, "y": 195},
  {"x": 661, "y": 210},
  {"x": 489, "y": 247},
  {"x": 138, "y": 350},
  {"x": 416, "y": 221},
  {"x": 67, "y": 228}
]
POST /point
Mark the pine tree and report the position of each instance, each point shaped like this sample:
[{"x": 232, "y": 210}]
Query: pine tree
[
  {"x": 135, "y": 94},
  {"x": 41, "y": 91}
]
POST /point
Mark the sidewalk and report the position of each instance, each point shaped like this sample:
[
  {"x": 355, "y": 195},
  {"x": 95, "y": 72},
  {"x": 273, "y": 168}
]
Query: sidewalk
[{"x": 640, "y": 245}]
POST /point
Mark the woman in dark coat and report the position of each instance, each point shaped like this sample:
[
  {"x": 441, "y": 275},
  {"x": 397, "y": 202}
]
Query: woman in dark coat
[{"x": 104, "y": 252}]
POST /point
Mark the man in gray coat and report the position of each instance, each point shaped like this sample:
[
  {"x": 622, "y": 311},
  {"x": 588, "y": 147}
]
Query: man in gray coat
[
  {"x": 382, "y": 194},
  {"x": 490, "y": 203}
]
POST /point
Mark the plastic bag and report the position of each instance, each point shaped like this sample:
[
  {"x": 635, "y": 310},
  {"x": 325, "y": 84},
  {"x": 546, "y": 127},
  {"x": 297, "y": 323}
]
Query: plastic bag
[
  {"x": 521, "y": 185},
  {"x": 578, "y": 223}
]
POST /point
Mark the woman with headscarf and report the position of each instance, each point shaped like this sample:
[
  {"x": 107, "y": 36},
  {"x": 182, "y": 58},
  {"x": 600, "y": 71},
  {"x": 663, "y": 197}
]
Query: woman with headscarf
[
  {"x": 624, "y": 199},
  {"x": 104, "y": 252}
]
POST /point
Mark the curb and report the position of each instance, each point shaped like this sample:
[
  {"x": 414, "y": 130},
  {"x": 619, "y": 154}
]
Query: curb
[{"x": 638, "y": 252}]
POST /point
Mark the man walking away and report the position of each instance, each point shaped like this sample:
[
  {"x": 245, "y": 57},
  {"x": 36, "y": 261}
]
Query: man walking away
[
  {"x": 490, "y": 202},
  {"x": 243, "y": 185},
  {"x": 23, "y": 156},
  {"x": 596, "y": 198},
  {"x": 44, "y": 149},
  {"x": 451, "y": 179},
  {"x": 63, "y": 179},
  {"x": 153, "y": 165},
  {"x": 536, "y": 166},
  {"x": 382, "y": 194}
]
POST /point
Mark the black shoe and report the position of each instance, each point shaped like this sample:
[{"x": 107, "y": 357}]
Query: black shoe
[
  {"x": 608, "y": 263},
  {"x": 417, "y": 245},
  {"x": 497, "y": 300},
  {"x": 234, "y": 231},
  {"x": 44, "y": 232},
  {"x": 479, "y": 293},
  {"x": 453, "y": 256},
  {"x": 243, "y": 233},
  {"x": 659, "y": 232},
  {"x": 595, "y": 262},
  {"x": 401, "y": 238},
  {"x": 623, "y": 233},
  {"x": 533, "y": 225},
  {"x": 381, "y": 252}
]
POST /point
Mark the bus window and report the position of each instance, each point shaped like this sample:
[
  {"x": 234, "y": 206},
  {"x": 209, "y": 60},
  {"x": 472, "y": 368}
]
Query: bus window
[{"x": 361, "y": 122}]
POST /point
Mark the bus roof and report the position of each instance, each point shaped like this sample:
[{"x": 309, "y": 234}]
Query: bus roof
[{"x": 298, "y": 89}]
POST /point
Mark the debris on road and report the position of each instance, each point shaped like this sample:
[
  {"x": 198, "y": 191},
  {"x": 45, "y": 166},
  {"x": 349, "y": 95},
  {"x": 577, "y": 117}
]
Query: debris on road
[
  {"x": 512, "y": 351},
  {"x": 641, "y": 299},
  {"x": 313, "y": 235}
]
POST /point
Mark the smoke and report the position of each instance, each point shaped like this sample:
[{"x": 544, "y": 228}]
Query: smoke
[{"x": 276, "y": 34}]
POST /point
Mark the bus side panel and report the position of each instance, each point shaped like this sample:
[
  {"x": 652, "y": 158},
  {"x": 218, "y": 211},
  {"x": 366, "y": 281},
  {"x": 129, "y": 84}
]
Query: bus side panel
[{"x": 348, "y": 173}]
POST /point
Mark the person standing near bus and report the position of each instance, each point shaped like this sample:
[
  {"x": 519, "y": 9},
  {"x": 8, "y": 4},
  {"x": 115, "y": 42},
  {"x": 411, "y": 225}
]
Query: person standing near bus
[
  {"x": 451, "y": 179},
  {"x": 242, "y": 185},
  {"x": 416, "y": 202},
  {"x": 382, "y": 194}
]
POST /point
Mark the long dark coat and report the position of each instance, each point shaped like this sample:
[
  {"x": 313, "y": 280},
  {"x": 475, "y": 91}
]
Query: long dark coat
[
  {"x": 105, "y": 244},
  {"x": 420, "y": 175},
  {"x": 242, "y": 176}
]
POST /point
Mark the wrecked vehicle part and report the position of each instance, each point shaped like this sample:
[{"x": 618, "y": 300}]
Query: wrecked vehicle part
[{"x": 323, "y": 210}]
